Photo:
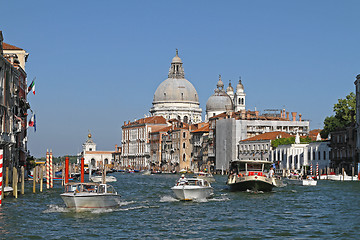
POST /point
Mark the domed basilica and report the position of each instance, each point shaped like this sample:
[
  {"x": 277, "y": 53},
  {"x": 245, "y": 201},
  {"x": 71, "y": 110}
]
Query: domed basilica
[
  {"x": 176, "y": 97},
  {"x": 222, "y": 101}
]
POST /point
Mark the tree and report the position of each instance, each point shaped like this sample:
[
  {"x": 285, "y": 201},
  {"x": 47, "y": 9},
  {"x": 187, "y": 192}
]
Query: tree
[{"x": 345, "y": 114}]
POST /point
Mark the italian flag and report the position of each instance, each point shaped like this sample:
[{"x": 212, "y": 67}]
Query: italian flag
[{"x": 32, "y": 87}]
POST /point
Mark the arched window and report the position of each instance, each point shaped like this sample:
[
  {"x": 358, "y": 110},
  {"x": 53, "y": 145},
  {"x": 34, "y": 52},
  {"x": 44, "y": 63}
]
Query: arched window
[
  {"x": 106, "y": 161},
  {"x": 184, "y": 157},
  {"x": 182, "y": 96},
  {"x": 93, "y": 162},
  {"x": 239, "y": 100},
  {"x": 186, "y": 119},
  {"x": 183, "y": 145},
  {"x": 184, "y": 134}
]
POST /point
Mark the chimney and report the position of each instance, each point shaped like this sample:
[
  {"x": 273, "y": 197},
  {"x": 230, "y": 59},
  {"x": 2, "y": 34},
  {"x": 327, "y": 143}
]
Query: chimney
[
  {"x": 116, "y": 148},
  {"x": 283, "y": 115},
  {"x": 257, "y": 114},
  {"x": 294, "y": 116},
  {"x": 287, "y": 115},
  {"x": 300, "y": 117}
]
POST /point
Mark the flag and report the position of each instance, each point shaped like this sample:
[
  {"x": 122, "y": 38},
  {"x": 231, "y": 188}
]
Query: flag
[
  {"x": 32, "y": 87},
  {"x": 32, "y": 121}
]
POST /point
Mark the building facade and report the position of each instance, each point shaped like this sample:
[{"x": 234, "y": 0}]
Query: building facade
[
  {"x": 13, "y": 105},
  {"x": 136, "y": 141},
  {"x": 93, "y": 158}
]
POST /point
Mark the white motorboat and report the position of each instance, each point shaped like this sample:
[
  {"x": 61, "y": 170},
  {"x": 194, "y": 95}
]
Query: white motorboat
[
  {"x": 206, "y": 176},
  {"x": 89, "y": 196},
  {"x": 252, "y": 175},
  {"x": 340, "y": 177},
  {"x": 303, "y": 182},
  {"x": 99, "y": 179},
  {"x": 192, "y": 189}
]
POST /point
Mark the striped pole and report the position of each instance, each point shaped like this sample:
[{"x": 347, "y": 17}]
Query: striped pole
[
  {"x": 47, "y": 170},
  {"x": 1, "y": 173},
  {"x": 311, "y": 169},
  {"x": 317, "y": 169},
  {"x": 51, "y": 170}
]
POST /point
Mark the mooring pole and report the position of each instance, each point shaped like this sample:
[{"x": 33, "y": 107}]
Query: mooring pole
[
  {"x": 51, "y": 170},
  {"x": 41, "y": 178},
  {"x": 22, "y": 180},
  {"x": 82, "y": 170},
  {"x": 66, "y": 170},
  {"x": 34, "y": 180},
  {"x": 1, "y": 175},
  {"x": 47, "y": 170}
]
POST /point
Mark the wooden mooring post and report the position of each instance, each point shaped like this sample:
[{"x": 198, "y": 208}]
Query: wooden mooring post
[
  {"x": 15, "y": 182},
  {"x": 22, "y": 180},
  {"x": 34, "y": 180},
  {"x": 41, "y": 177}
]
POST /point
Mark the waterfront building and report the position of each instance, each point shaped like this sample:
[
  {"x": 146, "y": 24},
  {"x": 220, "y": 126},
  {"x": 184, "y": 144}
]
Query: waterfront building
[
  {"x": 228, "y": 128},
  {"x": 93, "y": 157},
  {"x": 343, "y": 149},
  {"x": 176, "y": 147},
  {"x": 13, "y": 104},
  {"x": 176, "y": 97},
  {"x": 157, "y": 160},
  {"x": 117, "y": 156},
  {"x": 298, "y": 155},
  {"x": 136, "y": 141},
  {"x": 357, "y": 124},
  {"x": 200, "y": 144},
  {"x": 259, "y": 146}
]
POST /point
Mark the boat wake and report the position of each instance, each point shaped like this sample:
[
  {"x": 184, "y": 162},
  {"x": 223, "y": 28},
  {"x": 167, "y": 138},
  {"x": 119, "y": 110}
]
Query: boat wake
[
  {"x": 252, "y": 191},
  {"x": 222, "y": 198},
  {"x": 56, "y": 209},
  {"x": 168, "y": 199}
]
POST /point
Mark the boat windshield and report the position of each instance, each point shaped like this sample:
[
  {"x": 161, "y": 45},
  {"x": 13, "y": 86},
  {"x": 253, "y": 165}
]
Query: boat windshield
[
  {"x": 197, "y": 182},
  {"x": 254, "y": 167},
  {"x": 237, "y": 167}
]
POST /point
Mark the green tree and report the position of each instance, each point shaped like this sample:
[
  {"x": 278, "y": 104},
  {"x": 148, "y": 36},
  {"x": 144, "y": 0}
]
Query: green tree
[{"x": 345, "y": 114}]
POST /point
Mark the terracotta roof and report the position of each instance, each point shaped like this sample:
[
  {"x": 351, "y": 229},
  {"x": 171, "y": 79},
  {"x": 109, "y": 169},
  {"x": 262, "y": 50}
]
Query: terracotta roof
[
  {"x": 203, "y": 129},
  {"x": 157, "y": 129},
  {"x": 10, "y": 47},
  {"x": 269, "y": 136},
  {"x": 151, "y": 120}
]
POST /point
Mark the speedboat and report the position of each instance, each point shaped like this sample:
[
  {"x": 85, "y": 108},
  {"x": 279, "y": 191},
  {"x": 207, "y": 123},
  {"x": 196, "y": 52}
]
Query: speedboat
[
  {"x": 192, "y": 189},
  {"x": 206, "y": 176},
  {"x": 341, "y": 177},
  {"x": 251, "y": 175},
  {"x": 89, "y": 196},
  {"x": 303, "y": 182},
  {"x": 99, "y": 179}
]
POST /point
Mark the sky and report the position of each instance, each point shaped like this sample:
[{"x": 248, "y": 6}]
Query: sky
[{"x": 98, "y": 63}]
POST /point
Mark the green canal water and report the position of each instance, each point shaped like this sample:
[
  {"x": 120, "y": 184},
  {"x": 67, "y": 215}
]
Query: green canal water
[{"x": 148, "y": 210}]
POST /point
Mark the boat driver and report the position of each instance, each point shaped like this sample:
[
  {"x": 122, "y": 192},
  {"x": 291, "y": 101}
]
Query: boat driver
[{"x": 183, "y": 180}]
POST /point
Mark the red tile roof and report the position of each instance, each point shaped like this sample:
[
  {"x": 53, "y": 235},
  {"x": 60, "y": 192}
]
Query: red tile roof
[
  {"x": 269, "y": 136},
  {"x": 7, "y": 46},
  {"x": 202, "y": 129},
  {"x": 148, "y": 120}
]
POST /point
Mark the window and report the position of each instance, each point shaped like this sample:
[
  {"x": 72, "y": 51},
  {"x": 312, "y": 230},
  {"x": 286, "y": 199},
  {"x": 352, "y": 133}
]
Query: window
[
  {"x": 184, "y": 157},
  {"x": 184, "y": 134},
  {"x": 183, "y": 145},
  {"x": 324, "y": 155},
  {"x": 319, "y": 155}
]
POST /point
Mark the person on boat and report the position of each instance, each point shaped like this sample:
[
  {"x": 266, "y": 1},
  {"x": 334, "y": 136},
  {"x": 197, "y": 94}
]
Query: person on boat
[
  {"x": 183, "y": 180},
  {"x": 271, "y": 173}
]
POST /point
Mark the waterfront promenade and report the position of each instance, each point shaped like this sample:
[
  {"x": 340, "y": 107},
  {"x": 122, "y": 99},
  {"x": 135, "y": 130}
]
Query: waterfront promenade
[{"x": 149, "y": 211}]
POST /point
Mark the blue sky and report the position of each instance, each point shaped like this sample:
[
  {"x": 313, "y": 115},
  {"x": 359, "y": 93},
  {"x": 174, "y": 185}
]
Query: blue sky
[{"x": 98, "y": 63}]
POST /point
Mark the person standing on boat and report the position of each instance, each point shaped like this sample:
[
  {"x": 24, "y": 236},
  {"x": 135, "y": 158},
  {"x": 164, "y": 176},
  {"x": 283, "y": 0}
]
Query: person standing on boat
[
  {"x": 271, "y": 173},
  {"x": 183, "y": 180}
]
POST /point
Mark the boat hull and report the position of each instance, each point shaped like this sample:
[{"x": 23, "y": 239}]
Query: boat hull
[
  {"x": 302, "y": 182},
  {"x": 253, "y": 183},
  {"x": 88, "y": 201},
  {"x": 186, "y": 193}
]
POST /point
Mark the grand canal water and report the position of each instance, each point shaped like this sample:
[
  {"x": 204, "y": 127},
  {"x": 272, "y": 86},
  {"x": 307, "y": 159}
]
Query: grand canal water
[{"x": 148, "y": 210}]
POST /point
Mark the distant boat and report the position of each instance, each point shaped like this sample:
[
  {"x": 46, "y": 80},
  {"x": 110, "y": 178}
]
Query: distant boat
[
  {"x": 99, "y": 179},
  {"x": 303, "y": 182},
  {"x": 206, "y": 176},
  {"x": 340, "y": 177},
  {"x": 89, "y": 196}
]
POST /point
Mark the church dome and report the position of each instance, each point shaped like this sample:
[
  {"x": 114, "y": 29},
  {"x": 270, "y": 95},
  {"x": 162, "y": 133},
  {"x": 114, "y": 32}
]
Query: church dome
[
  {"x": 218, "y": 102},
  {"x": 176, "y": 90},
  {"x": 229, "y": 88},
  {"x": 240, "y": 87}
]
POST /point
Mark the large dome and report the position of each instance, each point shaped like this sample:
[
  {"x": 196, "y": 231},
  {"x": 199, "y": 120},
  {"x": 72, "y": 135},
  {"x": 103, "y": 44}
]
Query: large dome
[
  {"x": 218, "y": 102},
  {"x": 176, "y": 90}
]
